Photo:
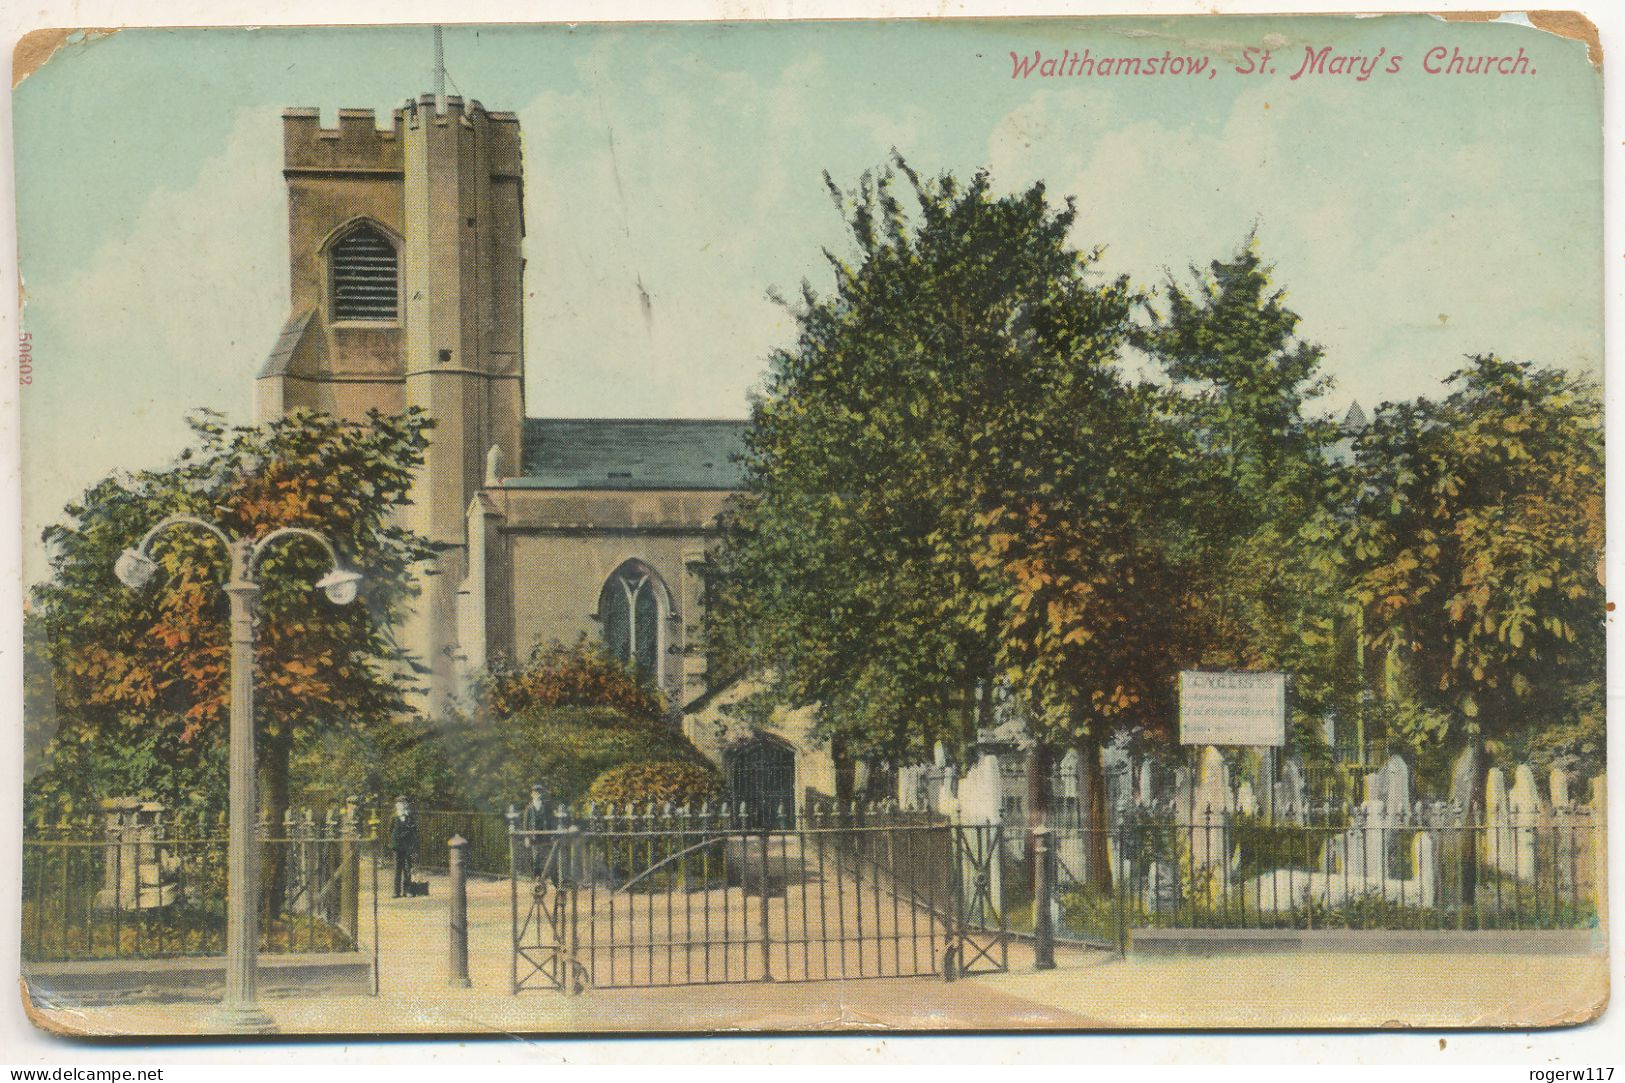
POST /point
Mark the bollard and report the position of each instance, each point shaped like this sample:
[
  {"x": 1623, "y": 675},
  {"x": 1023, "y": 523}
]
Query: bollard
[
  {"x": 457, "y": 865},
  {"x": 1043, "y": 893}
]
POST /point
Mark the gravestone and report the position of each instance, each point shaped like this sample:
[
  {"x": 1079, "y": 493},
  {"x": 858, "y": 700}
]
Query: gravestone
[
  {"x": 1499, "y": 852},
  {"x": 1291, "y": 794},
  {"x": 1560, "y": 789},
  {"x": 1425, "y": 863},
  {"x": 139, "y": 871},
  {"x": 1394, "y": 785},
  {"x": 1246, "y": 802},
  {"x": 1528, "y": 818},
  {"x": 1210, "y": 813},
  {"x": 981, "y": 792}
]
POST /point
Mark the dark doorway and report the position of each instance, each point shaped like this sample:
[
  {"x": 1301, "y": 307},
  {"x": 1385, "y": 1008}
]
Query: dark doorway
[{"x": 762, "y": 773}]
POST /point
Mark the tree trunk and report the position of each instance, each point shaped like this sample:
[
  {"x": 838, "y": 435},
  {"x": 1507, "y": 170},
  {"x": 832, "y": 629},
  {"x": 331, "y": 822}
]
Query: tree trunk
[
  {"x": 1097, "y": 855},
  {"x": 845, "y": 773},
  {"x": 1474, "y": 816},
  {"x": 274, "y": 754}
]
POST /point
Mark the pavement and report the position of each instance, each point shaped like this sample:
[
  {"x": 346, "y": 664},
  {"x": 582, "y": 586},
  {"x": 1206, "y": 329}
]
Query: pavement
[{"x": 1087, "y": 990}]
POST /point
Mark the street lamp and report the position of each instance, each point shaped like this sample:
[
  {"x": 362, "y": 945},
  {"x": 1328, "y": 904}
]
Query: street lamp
[{"x": 238, "y": 1010}]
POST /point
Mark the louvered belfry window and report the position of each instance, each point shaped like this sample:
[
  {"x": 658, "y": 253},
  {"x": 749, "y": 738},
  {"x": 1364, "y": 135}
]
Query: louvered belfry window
[{"x": 366, "y": 276}]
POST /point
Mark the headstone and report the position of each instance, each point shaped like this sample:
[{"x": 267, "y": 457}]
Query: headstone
[
  {"x": 1246, "y": 802},
  {"x": 1212, "y": 805},
  {"x": 1067, "y": 775},
  {"x": 1395, "y": 785},
  {"x": 981, "y": 796},
  {"x": 140, "y": 871},
  {"x": 1560, "y": 789},
  {"x": 1118, "y": 771},
  {"x": 1212, "y": 783},
  {"x": 1425, "y": 862},
  {"x": 1184, "y": 794},
  {"x": 1499, "y": 853},
  {"x": 1292, "y": 794},
  {"x": 913, "y": 788},
  {"x": 1528, "y": 816}
]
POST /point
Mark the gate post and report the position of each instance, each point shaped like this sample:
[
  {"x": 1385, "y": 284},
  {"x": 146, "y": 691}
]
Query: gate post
[
  {"x": 457, "y": 866},
  {"x": 1043, "y": 900},
  {"x": 350, "y": 870},
  {"x": 955, "y": 911},
  {"x": 513, "y": 904},
  {"x": 767, "y": 938}
]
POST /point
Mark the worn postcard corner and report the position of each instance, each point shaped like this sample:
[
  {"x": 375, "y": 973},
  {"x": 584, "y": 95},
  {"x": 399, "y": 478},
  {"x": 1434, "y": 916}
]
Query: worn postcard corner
[{"x": 967, "y": 525}]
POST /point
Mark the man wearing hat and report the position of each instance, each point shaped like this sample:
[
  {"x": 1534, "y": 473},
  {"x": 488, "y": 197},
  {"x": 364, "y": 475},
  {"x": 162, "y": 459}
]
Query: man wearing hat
[
  {"x": 403, "y": 839},
  {"x": 537, "y": 818}
]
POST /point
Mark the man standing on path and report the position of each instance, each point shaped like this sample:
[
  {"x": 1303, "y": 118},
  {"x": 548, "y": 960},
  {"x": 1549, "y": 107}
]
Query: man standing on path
[
  {"x": 403, "y": 839},
  {"x": 536, "y": 818}
]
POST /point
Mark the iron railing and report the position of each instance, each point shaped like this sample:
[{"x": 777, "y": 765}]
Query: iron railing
[
  {"x": 660, "y": 896},
  {"x": 486, "y": 832},
  {"x": 98, "y": 891},
  {"x": 1433, "y": 868}
]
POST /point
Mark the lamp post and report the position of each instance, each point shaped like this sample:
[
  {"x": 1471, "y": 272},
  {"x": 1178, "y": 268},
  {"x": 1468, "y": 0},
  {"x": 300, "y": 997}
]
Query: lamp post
[{"x": 238, "y": 1010}]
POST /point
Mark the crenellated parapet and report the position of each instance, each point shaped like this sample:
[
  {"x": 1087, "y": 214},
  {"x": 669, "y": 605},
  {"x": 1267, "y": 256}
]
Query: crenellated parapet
[
  {"x": 359, "y": 145},
  {"x": 356, "y": 145}
]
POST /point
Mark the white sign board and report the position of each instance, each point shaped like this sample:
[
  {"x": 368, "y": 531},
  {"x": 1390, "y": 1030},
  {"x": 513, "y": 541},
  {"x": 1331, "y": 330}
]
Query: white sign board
[{"x": 1232, "y": 708}]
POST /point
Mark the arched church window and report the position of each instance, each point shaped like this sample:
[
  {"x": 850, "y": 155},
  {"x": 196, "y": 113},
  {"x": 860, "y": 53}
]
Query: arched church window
[
  {"x": 629, "y": 608},
  {"x": 366, "y": 275}
]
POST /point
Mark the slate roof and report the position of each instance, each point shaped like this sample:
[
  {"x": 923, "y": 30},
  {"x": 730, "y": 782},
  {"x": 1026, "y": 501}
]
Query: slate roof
[
  {"x": 286, "y": 343},
  {"x": 631, "y": 453}
]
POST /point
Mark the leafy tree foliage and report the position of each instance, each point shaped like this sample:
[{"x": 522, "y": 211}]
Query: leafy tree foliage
[
  {"x": 583, "y": 674},
  {"x": 1475, "y": 533},
  {"x": 148, "y": 669},
  {"x": 1268, "y": 597},
  {"x": 958, "y": 380}
]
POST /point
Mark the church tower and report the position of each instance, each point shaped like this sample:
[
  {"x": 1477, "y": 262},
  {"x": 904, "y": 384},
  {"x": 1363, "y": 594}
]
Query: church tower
[{"x": 407, "y": 290}]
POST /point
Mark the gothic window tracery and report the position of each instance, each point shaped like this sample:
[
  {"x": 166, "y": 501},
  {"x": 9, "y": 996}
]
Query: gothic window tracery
[{"x": 629, "y": 609}]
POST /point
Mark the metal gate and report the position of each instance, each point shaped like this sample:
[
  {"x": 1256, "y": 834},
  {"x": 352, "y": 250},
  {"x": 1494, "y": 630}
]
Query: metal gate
[
  {"x": 761, "y": 777},
  {"x": 687, "y": 899}
]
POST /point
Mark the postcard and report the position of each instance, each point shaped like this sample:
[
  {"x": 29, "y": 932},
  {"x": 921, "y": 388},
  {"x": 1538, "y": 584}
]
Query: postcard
[{"x": 958, "y": 524}]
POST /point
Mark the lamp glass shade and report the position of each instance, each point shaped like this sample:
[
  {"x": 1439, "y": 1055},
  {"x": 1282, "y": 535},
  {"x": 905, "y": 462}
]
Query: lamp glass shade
[
  {"x": 134, "y": 569},
  {"x": 339, "y": 586}
]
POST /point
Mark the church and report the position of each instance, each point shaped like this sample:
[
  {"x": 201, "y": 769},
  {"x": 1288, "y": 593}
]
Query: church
[{"x": 406, "y": 258}]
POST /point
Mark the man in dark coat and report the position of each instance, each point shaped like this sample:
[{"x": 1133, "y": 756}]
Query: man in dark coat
[
  {"x": 403, "y": 839},
  {"x": 537, "y": 817}
]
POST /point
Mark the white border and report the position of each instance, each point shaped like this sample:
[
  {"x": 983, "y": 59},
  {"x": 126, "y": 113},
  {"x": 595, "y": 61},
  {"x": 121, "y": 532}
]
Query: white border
[{"x": 22, "y": 1045}]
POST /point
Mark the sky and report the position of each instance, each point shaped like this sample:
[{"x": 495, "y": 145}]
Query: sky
[{"x": 1412, "y": 218}]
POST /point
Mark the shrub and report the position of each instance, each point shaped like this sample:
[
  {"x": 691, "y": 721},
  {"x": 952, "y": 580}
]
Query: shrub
[
  {"x": 564, "y": 748},
  {"x": 375, "y": 762},
  {"x": 583, "y": 675},
  {"x": 674, "y": 782}
]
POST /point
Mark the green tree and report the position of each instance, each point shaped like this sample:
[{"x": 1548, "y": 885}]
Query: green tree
[
  {"x": 148, "y": 670},
  {"x": 927, "y": 392},
  {"x": 1271, "y": 592},
  {"x": 1475, "y": 531}
]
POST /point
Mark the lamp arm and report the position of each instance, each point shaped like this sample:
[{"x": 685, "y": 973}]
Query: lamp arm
[
  {"x": 180, "y": 520},
  {"x": 278, "y": 534}
]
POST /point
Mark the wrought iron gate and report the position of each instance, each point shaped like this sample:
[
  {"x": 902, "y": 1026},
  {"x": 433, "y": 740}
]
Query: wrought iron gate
[{"x": 700, "y": 898}]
